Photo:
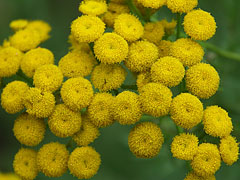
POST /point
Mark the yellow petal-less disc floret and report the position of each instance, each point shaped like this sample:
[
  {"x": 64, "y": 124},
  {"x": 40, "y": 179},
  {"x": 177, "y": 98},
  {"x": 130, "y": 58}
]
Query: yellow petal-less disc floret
[
  {"x": 142, "y": 54},
  {"x": 216, "y": 122},
  {"x": 155, "y": 4},
  {"x": 143, "y": 79},
  {"x": 29, "y": 130},
  {"x": 64, "y": 122},
  {"x": 87, "y": 28},
  {"x": 34, "y": 59},
  {"x": 187, "y": 51},
  {"x": 202, "y": 80},
  {"x": 111, "y": 48},
  {"x": 153, "y": 32},
  {"x": 25, "y": 164},
  {"x": 18, "y": 24},
  {"x": 181, "y": 6},
  {"x": 199, "y": 25},
  {"x": 10, "y": 59},
  {"x": 52, "y": 159},
  {"x": 77, "y": 93},
  {"x": 164, "y": 48},
  {"x": 93, "y": 7},
  {"x": 184, "y": 146},
  {"x": 48, "y": 78},
  {"x": 207, "y": 160},
  {"x": 194, "y": 176},
  {"x": 129, "y": 27},
  {"x": 155, "y": 99},
  {"x": 84, "y": 162},
  {"x": 168, "y": 71},
  {"x": 126, "y": 108},
  {"x": 108, "y": 77},
  {"x": 229, "y": 150},
  {"x": 145, "y": 140},
  {"x": 186, "y": 110},
  {"x": 13, "y": 95}
]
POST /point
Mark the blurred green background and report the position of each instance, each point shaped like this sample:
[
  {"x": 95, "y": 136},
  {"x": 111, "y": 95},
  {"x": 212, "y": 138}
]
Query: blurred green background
[{"x": 118, "y": 163}]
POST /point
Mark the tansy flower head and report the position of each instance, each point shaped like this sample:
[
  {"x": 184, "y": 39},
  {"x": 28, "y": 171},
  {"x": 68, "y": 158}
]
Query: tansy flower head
[
  {"x": 77, "y": 93},
  {"x": 143, "y": 79},
  {"x": 202, "y": 80},
  {"x": 145, "y": 140},
  {"x": 181, "y": 6},
  {"x": 29, "y": 130},
  {"x": 194, "y": 176},
  {"x": 153, "y": 32},
  {"x": 87, "y": 28},
  {"x": 142, "y": 54},
  {"x": 164, "y": 48},
  {"x": 216, "y": 122},
  {"x": 111, "y": 48},
  {"x": 186, "y": 110},
  {"x": 155, "y": 99},
  {"x": 18, "y": 24},
  {"x": 64, "y": 122},
  {"x": 52, "y": 159},
  {"x": 199, "y": 25},
  {"x": 168, "y": 71},
  {"x": 93, "y": 7},
  {"x": 155, "y": 4},
  {"x": 25, "y": 164},
  {"x": 129, "y": 27}
]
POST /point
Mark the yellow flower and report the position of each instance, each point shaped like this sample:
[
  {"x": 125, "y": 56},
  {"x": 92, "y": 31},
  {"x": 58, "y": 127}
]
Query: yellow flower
[
  {"x": 9, "y": 176},
  {"x": 187, "y": 51},
  {"x": 94, "y": 7},
  {"x": 169, "y": 27},
  {"x": 199, "y": 25},
  {"x": 142, "y": 54},
  {"x": 48, "y": 78},
  {"x": 25, "y": 164},
  {"x": 10, "y": 59},
  {"x": 186, "y": 110},
  {"x": 193, "y": 176},
  {"x": 64, "y": 122},
  {"x": 78, "y": 46},
  {"x": 129, "y": 27},
  {"x": 34, "y": 59},
  {"x": 84, "y": 162},
  {"x": 77, "y": 93},
  {"x": 155, "y": 4},
  {"x": 182, "y": 6},
  {"x": 108, "y": 77},
  {"x": 155, "y": 99},
  {"x": 216, "y": 122},
  {"x": 111, "y": 48},
  {"x": 38, "y": 103},
  {"x": 18, "y": 24},
  {"x": 207, "y": 160},
  {"x": 13, "y": 95},
  {"x": 52, "y": 159},
  {"x": 126, "y": 108},
  {"x": 202, "y": 80},
  {"x": 184, "y": 146},
  {"x": 145, "y": 140},
  {"x": 87, "y": 28},
  {"x": 29, "y": 130},
  {"x": 143, "y": 78},
  {"x": 100, "y": 110},
  {"x": 153, "y": 32},
  {"x": 168, "y": 71},
  {"x": 229, "y": 150},
  {"x": 164, "y": 48}
]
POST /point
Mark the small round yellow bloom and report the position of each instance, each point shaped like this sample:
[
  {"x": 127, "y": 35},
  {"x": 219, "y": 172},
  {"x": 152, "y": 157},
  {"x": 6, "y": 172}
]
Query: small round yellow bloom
[
  {"x": 155, "y": 99},
  {"x": 64, "y": 122},
  {"x": 87, "y": 28},
  {"x": 182, "y": 6},
  {"x": 216, "y": 122},
  {"x": 186, "y": 110},
  {"x": 18, "y": 24},
  {"x": 207, "y": 160},
  {"x": 229, "y": 150},
  {"x": 9, "y": 176},
  {"x": 155, "y": 4},
  {"x": 187, "y": 51},
  {"x": 143, "y": 78},
  {"x": 142, "y": 54},
  {"x": 164, "y": 48},
  {"x": 145, "y": 140},
  {"x": 25, "y": 164},
  {"x": 153, "y": 32},
  {"x": 168, "y": 71},
  {"x": 29, "y": 130},
  {"x": 111, "y": 48},
  {"x": 52, "y": 159},
  {"x": 108, "y": 77},
  {"x": 199, "y": 25},
  {"x": 77, "y": 93},
  {"x": 193, "y": 176},
  {"x": 84, "y": 162},
  {"x": 34, "y": 59},
  {"x": 202, "y": 80},
  {"x": 13, "y": 95},
  {"x": 93, "y": 7},
  {"x": 10, "y": 59},
  {"x": 184, "y": 146},
  {"x": 129, "y": 27}
]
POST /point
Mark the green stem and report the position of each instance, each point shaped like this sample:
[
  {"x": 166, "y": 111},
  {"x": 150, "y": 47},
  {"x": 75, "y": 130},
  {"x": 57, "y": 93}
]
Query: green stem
[
  {"x": 132, "y": 87},
  {"x": 179, "y": 129},
  {"x": 135, "y": 11},
  {"x": 178, "y": 26}
]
